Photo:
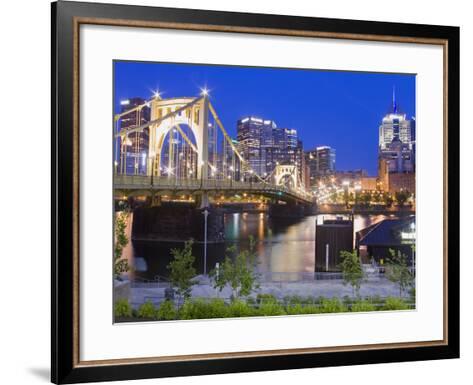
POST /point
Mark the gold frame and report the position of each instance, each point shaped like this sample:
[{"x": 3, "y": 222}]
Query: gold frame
[{"x": 77, "y": 22}]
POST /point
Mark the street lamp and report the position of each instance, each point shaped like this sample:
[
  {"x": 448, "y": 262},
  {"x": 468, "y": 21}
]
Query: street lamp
[
  {"x": 206, "y": 214},
  {"x": 152, "y": 157}
]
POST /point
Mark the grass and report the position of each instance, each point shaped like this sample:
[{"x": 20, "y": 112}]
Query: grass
[{"x": 263, "y": 305}]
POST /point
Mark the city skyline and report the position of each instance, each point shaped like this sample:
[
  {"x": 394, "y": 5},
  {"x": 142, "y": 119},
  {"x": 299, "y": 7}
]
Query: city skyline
[{"x": 344, "y": 112}]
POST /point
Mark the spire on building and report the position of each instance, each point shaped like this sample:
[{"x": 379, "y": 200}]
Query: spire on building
[{"x": 394, "y": 100}]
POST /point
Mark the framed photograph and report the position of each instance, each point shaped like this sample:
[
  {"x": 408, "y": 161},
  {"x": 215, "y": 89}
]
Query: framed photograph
[{"x": 243, "y": 192}]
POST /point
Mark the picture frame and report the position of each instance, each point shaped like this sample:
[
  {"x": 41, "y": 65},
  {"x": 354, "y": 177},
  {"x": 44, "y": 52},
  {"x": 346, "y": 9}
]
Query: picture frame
[{"x": 67, "y": 19}]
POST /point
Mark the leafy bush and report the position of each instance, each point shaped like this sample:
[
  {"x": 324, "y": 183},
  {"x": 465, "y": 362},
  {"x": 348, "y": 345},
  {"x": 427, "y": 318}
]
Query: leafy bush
[
  {"x": 200, "y": 309},
  {"x": 412, "y": 294},
  {"x": 122, "y": 308},
  {"x": 332, "y": 306},
  {"x": 266, "y": 298},
  {"x": 394, "y": 303},
  {"x": 299, "y": 300},
  {"x": 271, "y": 308},
  {"x": 301, "y": 309},
  {"x": 166, "y": 311},
  {"x": 374, "y": 299},
  {"x": 240, "y": 309},
  {"x": 362, "y": 305},
  {"x": 147, "y": 310},
  {"x": 218, "y": 309},
  {"x": 191, "y": 309}
]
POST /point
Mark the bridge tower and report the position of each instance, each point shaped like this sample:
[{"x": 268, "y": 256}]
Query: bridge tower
[
  {"x": 193, "y": 112},
  {"x": 284, "y": 172}
]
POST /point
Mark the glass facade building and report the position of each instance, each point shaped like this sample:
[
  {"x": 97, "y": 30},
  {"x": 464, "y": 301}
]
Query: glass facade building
[
  {"x": 396, "y": 142},
  {"x": 321, "y": 162},
  {"x": 264, "y": 145},
  {"x": 136, "y": 145}
]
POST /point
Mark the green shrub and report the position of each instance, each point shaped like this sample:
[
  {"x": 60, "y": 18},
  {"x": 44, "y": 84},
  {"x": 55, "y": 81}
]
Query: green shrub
[
  {"x": 166, "y": 311},
  {"x": 190, "y": 309},
  {"x": 218, "y": 309},
  {"x": 200, "y": 309},
  {"x": 376, "y": 299},
  {"x": 122, "y": 308},
  {"x": 290, "y": 300},
  {"x": 302, "y": 309},
  {"x": 332, "y": 306},
  {"x": 412, "y": 294},
  {"x": 362, "y": 305},
  {"x": 394, "y": 303},
  {"x": 266, "y": 298},
  {"x": 298, "y": 300},
  {"x": 147, "y": 310},
  {"x": 271, "y": 308},
  {"x": 240, "y": 309}
]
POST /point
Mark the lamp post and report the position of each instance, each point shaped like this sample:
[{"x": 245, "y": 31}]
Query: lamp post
[
  {"x": 206, "y": 214},
  {"x": 152, "y": 158}
]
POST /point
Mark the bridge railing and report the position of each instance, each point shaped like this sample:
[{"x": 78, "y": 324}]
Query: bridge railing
[{"x": 172, "y": 183}]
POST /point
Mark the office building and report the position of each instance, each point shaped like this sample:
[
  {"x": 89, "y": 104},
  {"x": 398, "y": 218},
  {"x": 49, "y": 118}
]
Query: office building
[
  {"x": 264, "y": 145},
  {"x": 321, "y": 162},
  {"x": 136, "y": 146}
]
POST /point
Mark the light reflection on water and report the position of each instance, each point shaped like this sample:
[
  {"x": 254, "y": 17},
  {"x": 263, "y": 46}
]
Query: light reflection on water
[{"x": 281, "y": 246}]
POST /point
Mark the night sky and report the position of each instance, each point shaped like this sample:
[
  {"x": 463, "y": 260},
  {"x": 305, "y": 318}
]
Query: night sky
[{"x": 334, "y": 108}]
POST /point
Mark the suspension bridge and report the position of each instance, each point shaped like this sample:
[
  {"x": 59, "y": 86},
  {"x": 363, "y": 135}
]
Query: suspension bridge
[{"x": 188, "y": 151}]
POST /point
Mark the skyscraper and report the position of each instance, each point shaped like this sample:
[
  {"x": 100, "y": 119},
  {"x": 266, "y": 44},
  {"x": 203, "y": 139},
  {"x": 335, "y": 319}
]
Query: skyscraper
[
  {"x": 255, "y": 140},
  {"x": 321, "y": 161},
  {"x": 136, "y": 147},
  {"x": 395, "y": 150},
  {"x": 264, "y": 145}
]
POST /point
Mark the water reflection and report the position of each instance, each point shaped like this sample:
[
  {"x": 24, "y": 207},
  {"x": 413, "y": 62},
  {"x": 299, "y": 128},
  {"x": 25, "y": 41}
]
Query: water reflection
[{"x": 282, "y": 246}]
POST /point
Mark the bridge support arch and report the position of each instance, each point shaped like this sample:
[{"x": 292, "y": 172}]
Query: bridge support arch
[
  {"x": 283, "y": 171},
  {"x": 193, "y": 112}
]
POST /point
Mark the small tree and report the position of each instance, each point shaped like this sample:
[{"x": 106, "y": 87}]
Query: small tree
[
  {"x": 182, "y": 271},
  {"x": 352, "y": 270},
  {"x": 240, "y": 273},
  {"x": 121, "y": 240},
  {"x": 401, "y": 197},
  {"x": 388, "y": 199},
  {"x": 398, "y": 271},
  {"x": 365, "y": 199}
]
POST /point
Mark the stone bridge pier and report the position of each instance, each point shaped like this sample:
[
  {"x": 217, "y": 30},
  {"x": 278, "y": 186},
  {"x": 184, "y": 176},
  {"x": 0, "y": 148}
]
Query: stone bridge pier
[
  {"x": 177, "y": 222},
  {"x": 291, "y": 210}
]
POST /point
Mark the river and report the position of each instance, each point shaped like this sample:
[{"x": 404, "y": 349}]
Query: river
[{"x": 284, "y": 249}]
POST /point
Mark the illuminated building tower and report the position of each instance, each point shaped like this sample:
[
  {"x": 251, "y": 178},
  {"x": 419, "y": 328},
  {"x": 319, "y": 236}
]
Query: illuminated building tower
[
  {"x": 395, "y": 142},
  {"x": 136, "y": 147},
  {"x": 321, "y": 162},
  {"x": 396, "y": 151},
  {"x": 264, "y": 145}
]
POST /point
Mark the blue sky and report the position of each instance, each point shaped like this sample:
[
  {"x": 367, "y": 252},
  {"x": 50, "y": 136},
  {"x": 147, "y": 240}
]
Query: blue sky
[{"x": 335, "y": 108}]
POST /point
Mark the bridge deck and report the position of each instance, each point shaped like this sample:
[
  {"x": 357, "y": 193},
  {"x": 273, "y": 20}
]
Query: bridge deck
[{"x": 142, "y": 182}]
